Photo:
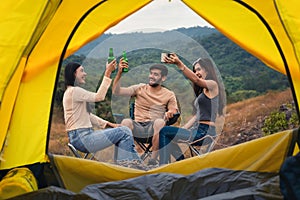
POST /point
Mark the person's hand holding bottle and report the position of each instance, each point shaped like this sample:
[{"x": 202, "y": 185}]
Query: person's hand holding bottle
[
  {"x": 110, "y": 67},
  {"x": 122, "y": 65}
]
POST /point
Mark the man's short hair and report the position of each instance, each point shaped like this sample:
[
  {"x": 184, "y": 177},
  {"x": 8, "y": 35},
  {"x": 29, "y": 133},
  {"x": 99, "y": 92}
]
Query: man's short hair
[{"x": 162, "y": 68}]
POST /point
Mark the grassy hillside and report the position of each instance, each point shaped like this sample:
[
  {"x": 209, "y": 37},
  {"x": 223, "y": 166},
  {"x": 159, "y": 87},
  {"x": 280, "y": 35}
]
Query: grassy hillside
[{"x": 245, "y": 119}]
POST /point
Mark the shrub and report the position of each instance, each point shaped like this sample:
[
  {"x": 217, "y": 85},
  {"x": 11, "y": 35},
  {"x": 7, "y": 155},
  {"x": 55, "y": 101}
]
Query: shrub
[
  {"x": 274, "y": 123},
  {"x": 282, "y": 120}
]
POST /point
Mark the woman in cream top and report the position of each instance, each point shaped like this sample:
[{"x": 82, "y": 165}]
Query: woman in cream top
[{"x": 79, "y": 121}]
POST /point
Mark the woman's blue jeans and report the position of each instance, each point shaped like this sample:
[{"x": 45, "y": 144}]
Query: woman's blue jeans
[
  {"x": 88, "y": 140},
  {"x": 172, "y": 133}
]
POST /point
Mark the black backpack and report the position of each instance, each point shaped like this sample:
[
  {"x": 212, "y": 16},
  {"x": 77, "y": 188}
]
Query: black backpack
[{"x": 290, "y": 178}]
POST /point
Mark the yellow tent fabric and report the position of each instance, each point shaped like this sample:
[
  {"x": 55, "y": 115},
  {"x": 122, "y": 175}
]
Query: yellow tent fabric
[
  {"x": 36, "y": 35},
  {"x": 18, "y": 24},
  {"x": 72, "y": 24},
  {"x": 263, "y": 155}
]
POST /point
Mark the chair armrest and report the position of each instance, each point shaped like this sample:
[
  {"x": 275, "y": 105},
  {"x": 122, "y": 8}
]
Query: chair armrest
[{"x": 173, "y": 120}]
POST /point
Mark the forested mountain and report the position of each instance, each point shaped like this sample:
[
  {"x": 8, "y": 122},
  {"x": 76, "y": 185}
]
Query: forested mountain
[
  {"x": 243, "y": 75},
  {"x": 142, "y": 40}
]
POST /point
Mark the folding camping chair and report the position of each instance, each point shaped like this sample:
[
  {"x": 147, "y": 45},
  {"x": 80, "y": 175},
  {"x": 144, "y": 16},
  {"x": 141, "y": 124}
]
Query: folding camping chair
[
  {"x": 146, "y": 143},
  {"x": 202, "y": 145},
  {"x": 90, "y": 156}
]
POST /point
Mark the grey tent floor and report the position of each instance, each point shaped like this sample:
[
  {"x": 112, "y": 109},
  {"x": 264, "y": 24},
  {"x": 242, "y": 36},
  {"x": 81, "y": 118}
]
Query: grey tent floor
[{"x": 213, "y": 183}]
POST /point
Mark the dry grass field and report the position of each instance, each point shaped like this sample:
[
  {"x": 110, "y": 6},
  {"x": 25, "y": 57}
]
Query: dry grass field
[
  {"x": 248, "y": 116},
  {"x": 241, "y": 118}
]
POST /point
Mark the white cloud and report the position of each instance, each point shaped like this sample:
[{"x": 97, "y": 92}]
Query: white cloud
[{"x": 160, "y": 15}]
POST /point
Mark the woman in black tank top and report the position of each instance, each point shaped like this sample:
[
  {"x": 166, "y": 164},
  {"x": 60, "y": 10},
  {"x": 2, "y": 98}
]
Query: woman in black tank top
[{"x": 209, "y": 103}]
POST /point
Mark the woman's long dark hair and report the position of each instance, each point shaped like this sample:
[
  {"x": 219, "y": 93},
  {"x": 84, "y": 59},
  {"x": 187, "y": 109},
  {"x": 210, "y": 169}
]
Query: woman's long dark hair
[
  {"x": 211, "y": 75},
  {"x": 70, "y": 70}
]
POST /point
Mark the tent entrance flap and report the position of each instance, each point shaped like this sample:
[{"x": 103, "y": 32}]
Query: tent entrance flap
[{"x": 263, "y": 155}]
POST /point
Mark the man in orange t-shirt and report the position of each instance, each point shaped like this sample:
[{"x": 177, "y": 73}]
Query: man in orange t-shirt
[{"x": 154, "y": 105}]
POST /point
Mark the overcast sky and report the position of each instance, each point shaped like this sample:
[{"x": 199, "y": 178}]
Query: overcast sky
[{"x": 160, "y": 15}]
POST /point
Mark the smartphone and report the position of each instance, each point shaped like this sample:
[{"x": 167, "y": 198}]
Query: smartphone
[{"x": 163, "y": 55}]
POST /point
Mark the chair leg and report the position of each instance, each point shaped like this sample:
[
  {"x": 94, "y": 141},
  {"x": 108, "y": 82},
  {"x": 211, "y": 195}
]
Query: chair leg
[
  {"x": 74, "y": 150},
  {"x": 115, "y": 154},
  {"x": 76, "y": 153},
  {"x": 197, "y": 152},
  {"x": 193, "y": 150},
  {"x": 86, "y": 155},
  {"x": 211, "y": 146},
  {"x": 147, "y": 150},
  {"x": 147, "y": 153}
]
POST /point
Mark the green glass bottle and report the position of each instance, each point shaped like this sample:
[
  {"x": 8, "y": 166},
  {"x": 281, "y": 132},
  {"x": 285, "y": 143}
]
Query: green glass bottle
[
  {"x": 126, "y": 60},
  {"x": 111, "y": 56}
]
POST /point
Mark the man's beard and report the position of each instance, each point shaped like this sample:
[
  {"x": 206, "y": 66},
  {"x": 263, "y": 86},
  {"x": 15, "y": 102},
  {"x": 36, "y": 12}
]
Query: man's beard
[{"x": 154, "y": 85}]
